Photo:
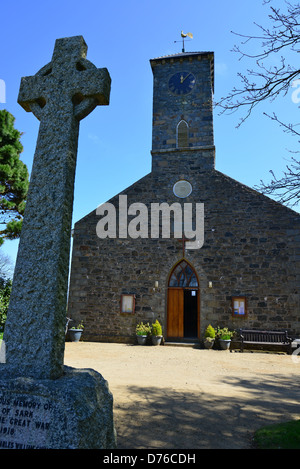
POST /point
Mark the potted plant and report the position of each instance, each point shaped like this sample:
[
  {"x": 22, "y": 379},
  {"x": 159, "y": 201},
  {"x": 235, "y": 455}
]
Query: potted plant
[
  {"x": 224, "y": 335},
  {"x": 156, "y": 333},
  {"x": 209, "y": 337},
  {"x": 75, "y": 332},
  {"x": 142, "y": 330}
]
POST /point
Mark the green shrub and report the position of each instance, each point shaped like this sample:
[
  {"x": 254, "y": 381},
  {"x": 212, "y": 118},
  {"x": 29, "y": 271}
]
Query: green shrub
[
  {"x": 143, "y": 329},
  {"x": 224, "y": 333},
  {"x": 156, "y": 328},
  {"x": 210, "y": 332},
  {"x": 79, "y": 326},
  {"x": 5, "y": 290}
]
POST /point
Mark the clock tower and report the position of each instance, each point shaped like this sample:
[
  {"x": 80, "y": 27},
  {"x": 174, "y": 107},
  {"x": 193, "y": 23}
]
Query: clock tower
[{"x": 182, "y": 132}]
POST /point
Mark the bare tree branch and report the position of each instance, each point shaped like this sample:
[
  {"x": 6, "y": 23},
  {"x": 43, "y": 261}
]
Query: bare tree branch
[
  {"x": 269, "y": 80},
  {"x": 266, "y": 82},
  {"x": 287, "y": 188}
]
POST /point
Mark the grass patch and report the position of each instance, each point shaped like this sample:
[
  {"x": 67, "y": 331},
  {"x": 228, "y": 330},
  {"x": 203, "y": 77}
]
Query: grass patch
[
  {"x": 1, "y": 335},
  {"x": 280, "y": 436}
]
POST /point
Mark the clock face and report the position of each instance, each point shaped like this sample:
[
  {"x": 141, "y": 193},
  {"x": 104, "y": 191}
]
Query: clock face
[
  {"x": 182, "y": 189},
  {"x": 182, "y": 83}
]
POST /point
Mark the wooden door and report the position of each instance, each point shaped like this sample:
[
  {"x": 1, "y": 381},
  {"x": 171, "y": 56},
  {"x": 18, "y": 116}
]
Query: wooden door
[{"x": 175, "y": 323}]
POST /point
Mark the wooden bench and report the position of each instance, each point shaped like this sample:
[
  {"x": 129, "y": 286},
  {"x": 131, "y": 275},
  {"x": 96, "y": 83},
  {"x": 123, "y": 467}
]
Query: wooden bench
[{"x": 265, "y": 339}]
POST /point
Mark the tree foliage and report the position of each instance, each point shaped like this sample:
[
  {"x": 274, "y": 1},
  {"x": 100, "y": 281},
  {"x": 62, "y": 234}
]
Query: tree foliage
[
  {"x": 267, "y": 80},
  {"x": 5, "y": 290},
  {"x": 14, "y": 178}
]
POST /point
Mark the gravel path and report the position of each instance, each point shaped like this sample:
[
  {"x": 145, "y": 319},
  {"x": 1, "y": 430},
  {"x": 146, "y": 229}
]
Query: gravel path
[{"x": 169, "y": 397}]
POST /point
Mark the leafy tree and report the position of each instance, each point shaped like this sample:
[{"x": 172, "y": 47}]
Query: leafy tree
[
  {"x": 6, "y": 271},
  {"x": 267, "y": 80},
  {"x": 14, "y": 179},
  {"x": 5, "y": 290}
]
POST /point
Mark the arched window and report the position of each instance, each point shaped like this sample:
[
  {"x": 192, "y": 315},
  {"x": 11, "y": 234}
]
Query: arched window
[
  {"x": 182, "y": 134},
  {"x": 183, "y": 276}
]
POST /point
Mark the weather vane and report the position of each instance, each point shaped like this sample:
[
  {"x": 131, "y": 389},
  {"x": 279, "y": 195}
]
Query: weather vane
[{"x": 183, "y": 35}]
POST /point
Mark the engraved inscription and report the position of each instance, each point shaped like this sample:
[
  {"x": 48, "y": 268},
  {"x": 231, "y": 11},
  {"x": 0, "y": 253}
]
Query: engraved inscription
[{"x": 24, "y": 422}]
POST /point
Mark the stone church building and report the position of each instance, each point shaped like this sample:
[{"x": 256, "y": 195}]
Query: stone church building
[{"x": 240, "y": 270}]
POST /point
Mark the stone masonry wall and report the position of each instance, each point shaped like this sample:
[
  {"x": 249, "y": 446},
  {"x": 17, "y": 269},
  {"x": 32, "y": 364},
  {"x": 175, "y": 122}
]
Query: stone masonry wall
[{"x": 251, "y": 248}]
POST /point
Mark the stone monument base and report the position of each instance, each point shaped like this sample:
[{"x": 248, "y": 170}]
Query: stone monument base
[{"x": 74, "y": 411}]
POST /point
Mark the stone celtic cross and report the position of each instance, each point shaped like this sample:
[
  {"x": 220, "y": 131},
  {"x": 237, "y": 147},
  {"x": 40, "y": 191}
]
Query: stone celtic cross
[{"x": 61, "y": 94}]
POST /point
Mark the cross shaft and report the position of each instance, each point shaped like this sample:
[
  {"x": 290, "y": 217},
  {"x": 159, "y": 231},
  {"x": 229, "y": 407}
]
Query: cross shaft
[{"x": 60, "y": 94}]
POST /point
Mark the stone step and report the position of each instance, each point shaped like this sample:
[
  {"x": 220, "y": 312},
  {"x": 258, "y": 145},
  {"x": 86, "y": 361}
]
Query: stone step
[{"x": 195, "y": 344}]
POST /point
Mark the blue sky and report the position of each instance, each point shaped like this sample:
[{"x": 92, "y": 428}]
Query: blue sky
[{"x": 115, "y": 140}]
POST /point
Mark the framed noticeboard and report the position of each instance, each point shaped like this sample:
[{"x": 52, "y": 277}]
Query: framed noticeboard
[
  {"x": 239, "y": 307},
  {"x": 127, "y": 304}
]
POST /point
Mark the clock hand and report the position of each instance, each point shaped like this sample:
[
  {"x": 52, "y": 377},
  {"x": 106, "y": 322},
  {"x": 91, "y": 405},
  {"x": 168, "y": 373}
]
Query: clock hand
[{"x": 182, "y": 79}]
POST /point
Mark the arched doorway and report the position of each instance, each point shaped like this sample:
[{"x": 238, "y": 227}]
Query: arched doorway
[{"x": 183, "y": 319}]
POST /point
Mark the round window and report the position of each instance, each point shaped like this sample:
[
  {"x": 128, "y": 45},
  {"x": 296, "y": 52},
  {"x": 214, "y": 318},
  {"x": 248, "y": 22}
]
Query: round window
[{"x": 182, "y": 189}]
